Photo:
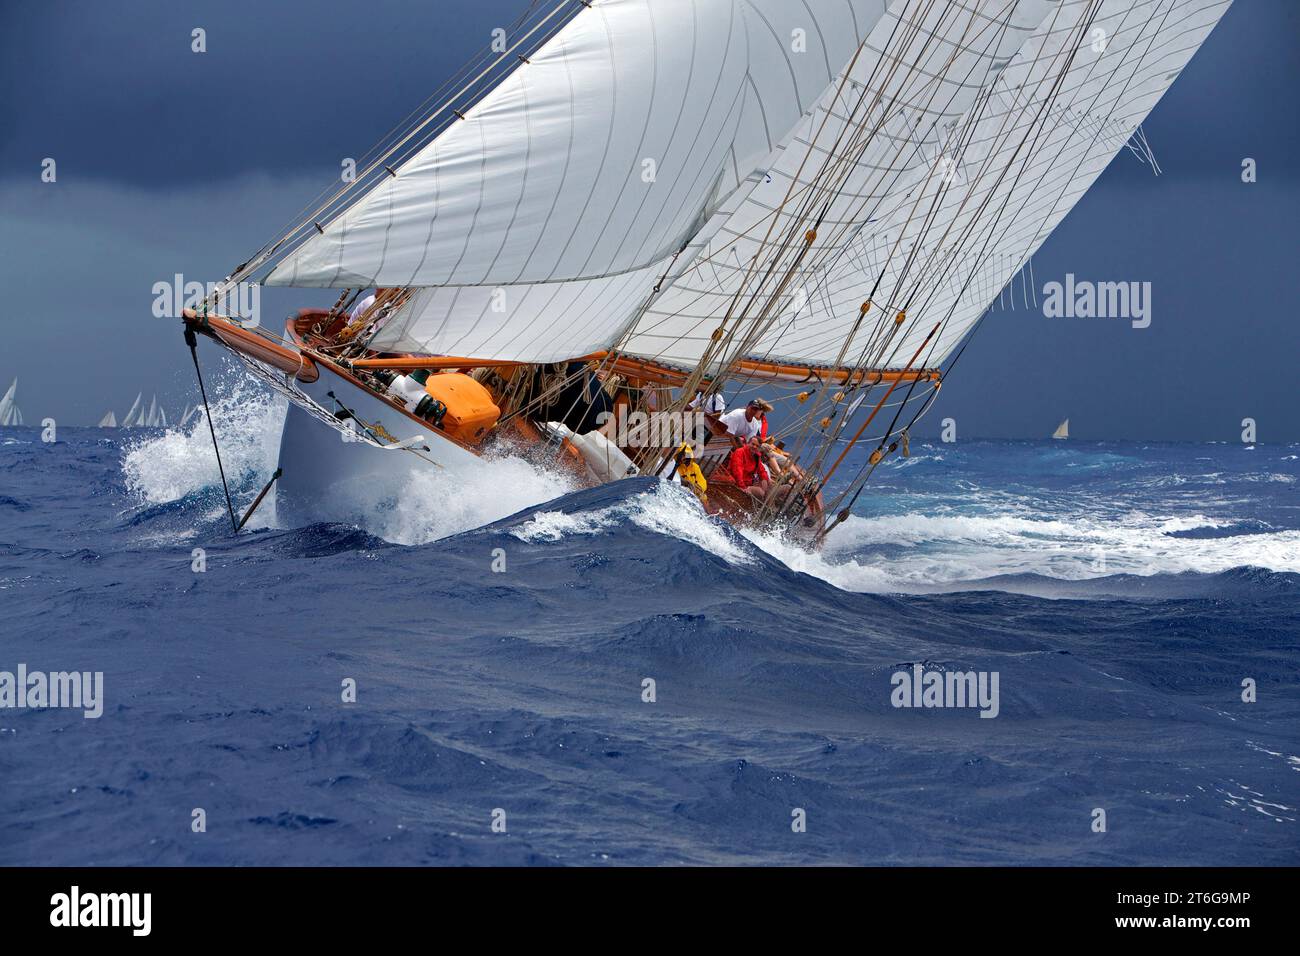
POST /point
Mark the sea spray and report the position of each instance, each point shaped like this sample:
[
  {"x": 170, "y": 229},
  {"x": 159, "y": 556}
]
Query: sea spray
[
  {"x": 162, "y": 468},
  {"x": 435, "y": 504}
]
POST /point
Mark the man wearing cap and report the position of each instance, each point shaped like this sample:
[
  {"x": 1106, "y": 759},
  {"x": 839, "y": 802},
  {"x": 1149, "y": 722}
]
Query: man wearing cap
[{"x": 742, "y": 424}]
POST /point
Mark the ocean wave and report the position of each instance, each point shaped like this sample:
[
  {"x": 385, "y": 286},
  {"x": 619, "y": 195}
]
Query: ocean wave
[{"x": 662, "y": 508}]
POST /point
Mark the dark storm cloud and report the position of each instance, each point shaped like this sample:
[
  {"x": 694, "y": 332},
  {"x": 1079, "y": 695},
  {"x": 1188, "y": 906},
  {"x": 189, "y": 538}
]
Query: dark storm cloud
[{"x": 112, "y": 89}]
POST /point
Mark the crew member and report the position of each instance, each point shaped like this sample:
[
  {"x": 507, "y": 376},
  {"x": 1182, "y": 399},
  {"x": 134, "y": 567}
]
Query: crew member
[{"x": 743, "y": 426}]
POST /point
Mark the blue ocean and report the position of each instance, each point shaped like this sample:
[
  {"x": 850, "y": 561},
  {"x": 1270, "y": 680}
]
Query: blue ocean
[{"x": 536, "y": 674}]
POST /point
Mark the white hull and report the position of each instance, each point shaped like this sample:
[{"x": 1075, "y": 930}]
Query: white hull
[{"x": 328, "y": 478}]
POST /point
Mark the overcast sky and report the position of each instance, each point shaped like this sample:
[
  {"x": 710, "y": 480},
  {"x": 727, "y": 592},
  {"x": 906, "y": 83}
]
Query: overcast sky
[{"x": 170, "y": 161}]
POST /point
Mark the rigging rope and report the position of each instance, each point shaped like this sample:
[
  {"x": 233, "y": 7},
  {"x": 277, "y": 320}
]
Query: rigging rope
[{"x": 192, "y": 341}]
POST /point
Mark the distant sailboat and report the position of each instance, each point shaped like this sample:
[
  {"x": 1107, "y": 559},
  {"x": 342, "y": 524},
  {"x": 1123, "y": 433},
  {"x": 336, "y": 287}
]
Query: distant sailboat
[
  {"x": 190, "y": 412},
  {"x": 134, "y": 416},
  {"x": 109, "y": 420},
  {"x": 10, "y": 414},
  {"x": 1062, "y": 430},
  {"x": 157, "y": 418}
]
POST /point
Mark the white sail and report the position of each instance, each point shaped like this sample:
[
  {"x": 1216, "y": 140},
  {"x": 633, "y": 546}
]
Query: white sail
[
  {"x": 1062, "y": 430},
  {"x": 547, "y": 322},
  {"x": 109, "y": 420},
  {"x": 10, "y": 414},
  {"x": 594, "y": 158},
  {"x": 132, "y": 418},
  {"x": 1063, "y": 108},
  {"x": 712, "y": 91},
  {"x": 151, "y": 418},
  {"x": 794, "y": 53},
  {"x": 1009, "y": 98},
  {"x": 871, "y": 138}
]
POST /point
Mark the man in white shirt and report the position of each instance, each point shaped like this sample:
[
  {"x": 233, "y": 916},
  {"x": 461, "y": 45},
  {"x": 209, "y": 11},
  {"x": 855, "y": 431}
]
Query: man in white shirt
[
  {"x": 715, "y": 404},
  {"x": 742, "y": 424}
]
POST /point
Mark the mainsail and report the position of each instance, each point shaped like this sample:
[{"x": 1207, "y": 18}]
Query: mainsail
[
  {"x": 10, "y": 414},
  {"x": 1006, "y": 173},
  {"x": 109, "y": 420},
  {"x": 156, "y": 416},
  {"x": 1062, "y": 430},
  {"x": 881, "y": 127}
]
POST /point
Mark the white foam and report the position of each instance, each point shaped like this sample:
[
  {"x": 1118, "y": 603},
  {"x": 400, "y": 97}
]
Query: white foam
[
  {"x": 672, "y": 510},
  {"x": 914, "y": 552},
  {"x": 554, "y": 525},
  {"x": 1000, "y": 533},
  {"x": 436, "y": 504},
  {"x": 162, "y": 468},
  {"x": 845, "y": 573},
  {"x": 668, "y": 509}
]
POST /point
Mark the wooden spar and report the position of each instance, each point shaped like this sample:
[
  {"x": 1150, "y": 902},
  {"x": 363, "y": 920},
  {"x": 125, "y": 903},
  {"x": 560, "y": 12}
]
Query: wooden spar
[
  {"x": 640, "y": 369},
  {"x": 287, "y": 360},
  {"x": 301, "y": 366},
  {"x": 414, "y": 362},
  {"x": 804, "y": 373},
  {"x": 649, "y": 371}
]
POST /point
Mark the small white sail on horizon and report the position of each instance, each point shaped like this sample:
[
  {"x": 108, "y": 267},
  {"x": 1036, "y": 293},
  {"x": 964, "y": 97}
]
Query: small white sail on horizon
[
  {"x": 10, "y": 414},
  {"x": 132, "y": 417},
  {"x": 157, "y": 418},
  {"x": 109, "y": 420},
  {"x": 1062, "y": 430}
]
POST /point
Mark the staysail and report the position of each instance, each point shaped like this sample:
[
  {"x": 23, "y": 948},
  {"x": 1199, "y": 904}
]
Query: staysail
[{"x": 10, "y": 414}]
